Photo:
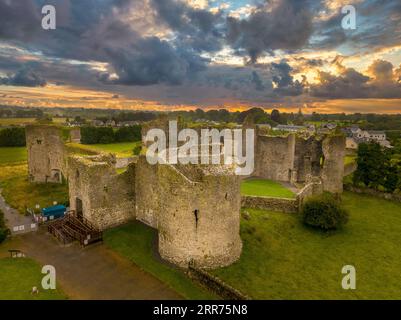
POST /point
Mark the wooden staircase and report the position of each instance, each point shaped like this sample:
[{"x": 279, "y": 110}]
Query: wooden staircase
[{"x": 70, "y": 228}]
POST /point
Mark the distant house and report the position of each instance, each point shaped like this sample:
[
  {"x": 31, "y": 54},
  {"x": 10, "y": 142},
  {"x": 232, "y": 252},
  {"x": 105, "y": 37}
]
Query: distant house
[
  {"x": 329, "y": 126},
  {"x": 97, "y": 123},
  {"x": 355, "y": 136},
  {"x": 127, "y": 123},
  {"x": 110, "y": 123},
  {"x": 293, "y": 128},
  {"x": 289, "y": 128}
]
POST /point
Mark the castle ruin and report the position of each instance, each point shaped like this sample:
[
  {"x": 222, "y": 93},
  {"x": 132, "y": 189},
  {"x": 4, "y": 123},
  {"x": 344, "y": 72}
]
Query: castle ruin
[{"x": 195, "y": 208}]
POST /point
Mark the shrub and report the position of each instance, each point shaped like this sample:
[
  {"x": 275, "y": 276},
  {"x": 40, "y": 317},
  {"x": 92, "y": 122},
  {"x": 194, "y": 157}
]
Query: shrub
[
  {"x": 128, "y": 134},
  {"x": 324, "y": 212},
  {"x": 12, "y": 137},
  {"x": 137, "y": 149},
  {"x": 3, "y": 229},
  {"x": 93, "y": 135}
]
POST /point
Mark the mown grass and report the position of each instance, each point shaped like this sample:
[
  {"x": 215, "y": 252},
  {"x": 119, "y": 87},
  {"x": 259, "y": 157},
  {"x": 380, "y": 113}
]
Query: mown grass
[
  {"x": 134, "y": 241},
  {"x": 16, "y": 188},
  {"x": 349, "y": 159},
  {"x": 265, "y": 188},
  {"x": 282, "y": 259},
  {"x": 10, "y": 155},
  {"x": 17, "y": 278},
  {"x": 122, "y": 150},
  {"x": 22, "y": 194},
  {"x": 24, "y": 121}
]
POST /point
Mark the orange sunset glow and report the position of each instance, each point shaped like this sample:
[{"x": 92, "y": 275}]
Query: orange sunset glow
[{"x": 114, "y": 59}]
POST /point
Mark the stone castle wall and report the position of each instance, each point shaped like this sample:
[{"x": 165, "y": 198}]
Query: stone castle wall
[
  {"x": 197, "y": 220},
  {"x": 105, "y": 198},
  {"x": 46, "y": 154},
  {"x": 296, "y": 160},
  {"x": 274, "y": 157},
  {"x": 333, "y": 167}
]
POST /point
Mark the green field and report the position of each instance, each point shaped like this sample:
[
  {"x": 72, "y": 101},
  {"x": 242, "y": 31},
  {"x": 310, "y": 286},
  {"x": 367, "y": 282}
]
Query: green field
[
  {"x": 24, "y": 121},
  {"x": 265, "y": 188},
  {"x": 282, "y": 259},
  {"x": 16, "y": 188},
  {"x": 349, "y": 159},
  {"x": 10, "y": 155},
  {"x": 122, "y": 150},
  {"x": 21, "y": 194},
  {"x": 19, "y": 276},
  {"x": 135, "y": 242}
]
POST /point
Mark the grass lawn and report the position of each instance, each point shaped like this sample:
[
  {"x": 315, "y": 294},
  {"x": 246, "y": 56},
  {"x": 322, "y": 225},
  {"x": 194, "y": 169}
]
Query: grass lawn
[
  {"x": 21, "y": 194},
  {"x": 282, "y": 259},
  {"x": 12, "y": 154},
  {"x": 122, "y": 150},
  {"x": 349, "y": 159},
  {"x": 134, "y": 241},
  {"x": 19, "y": 276},
  {"x": 266, "y": 188},
  {"x": 24, "y": 121},
  {"x": 18, "y": 191}
]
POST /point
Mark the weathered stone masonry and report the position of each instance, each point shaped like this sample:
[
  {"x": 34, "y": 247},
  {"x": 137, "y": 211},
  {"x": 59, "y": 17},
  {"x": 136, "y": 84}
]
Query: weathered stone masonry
[
  {"x": 197, "y": 217},
  {"x": 196, "y": 209},
  {"x": 46, "y": 154}
]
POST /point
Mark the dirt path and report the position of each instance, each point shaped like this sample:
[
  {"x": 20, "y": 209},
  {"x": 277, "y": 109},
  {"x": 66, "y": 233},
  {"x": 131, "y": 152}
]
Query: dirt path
[
  {"x": 16, "y": 222},
  {"x": 94, "y": 272}
]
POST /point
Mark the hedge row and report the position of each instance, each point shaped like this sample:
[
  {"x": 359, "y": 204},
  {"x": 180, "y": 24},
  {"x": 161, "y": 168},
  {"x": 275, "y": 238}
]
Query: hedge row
[
  {"x": 104, "y": 135},
  {"x": 12, "y": 137}
]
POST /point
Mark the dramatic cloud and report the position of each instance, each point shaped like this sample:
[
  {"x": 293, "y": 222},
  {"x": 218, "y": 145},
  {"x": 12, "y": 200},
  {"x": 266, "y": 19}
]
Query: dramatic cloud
[
  {"x": 194, "y": 51},
  {"x": 286, "y": 26},
  {"x": 352, "y": 84},
  {"x": 24, "y": 77},
  {"x": 18, "y": 19}
]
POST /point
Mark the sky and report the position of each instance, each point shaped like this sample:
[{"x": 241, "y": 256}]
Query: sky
[{"x": 187, "y": 54}]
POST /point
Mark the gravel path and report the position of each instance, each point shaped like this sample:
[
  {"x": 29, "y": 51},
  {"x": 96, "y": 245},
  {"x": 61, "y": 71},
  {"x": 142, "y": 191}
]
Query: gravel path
[{"x": 16, "y": 222}]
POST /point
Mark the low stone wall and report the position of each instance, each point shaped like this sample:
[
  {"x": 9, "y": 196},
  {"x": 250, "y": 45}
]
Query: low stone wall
[
  {"x": 124, "y": 162},
  {"x": 215, "y": 284},
  {"x": 270, "y": 203},
  {"x": 375, "y": 193}
]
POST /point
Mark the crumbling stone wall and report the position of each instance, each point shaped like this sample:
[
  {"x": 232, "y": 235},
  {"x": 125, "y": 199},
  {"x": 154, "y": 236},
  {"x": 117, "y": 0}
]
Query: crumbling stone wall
[
  {"x": 297, "y": 160},
  {"x": 270, "y": 203},
  {"x": 274, "y": 157},
  {"x": 46, "y": 153},
  {"x": 104, "y": 197},
  {"x": 333, "y": 167}
]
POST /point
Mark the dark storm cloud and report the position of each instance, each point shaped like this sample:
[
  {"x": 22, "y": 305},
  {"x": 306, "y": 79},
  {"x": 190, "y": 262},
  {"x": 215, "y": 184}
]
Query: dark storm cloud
[
  {"x": 24, "y": 77},
  {"x": 152, "y": 61},
  {"x": 351, "y": 84},
  {"x": 102, "y": 31},
  {"x": 377, "y": 25},
  {"x": 288, "y": 26},
  {"x": 283, "y": 80},
  {"x": 19, "y": 20},
  {"x": 257, "y": 81},
  {"x": 195, "y": 28},
  {"x": 95, "y": 31}
]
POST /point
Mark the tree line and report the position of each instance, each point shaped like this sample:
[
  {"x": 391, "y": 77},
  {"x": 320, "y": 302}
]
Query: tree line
[
  {"x": 378, "y": 168},
  {"x": 12, "y": 137},
  {"x": 105, "y": 135}
]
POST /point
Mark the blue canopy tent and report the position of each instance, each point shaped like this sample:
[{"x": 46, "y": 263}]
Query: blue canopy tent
[{"x": 54, "y": 212}]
